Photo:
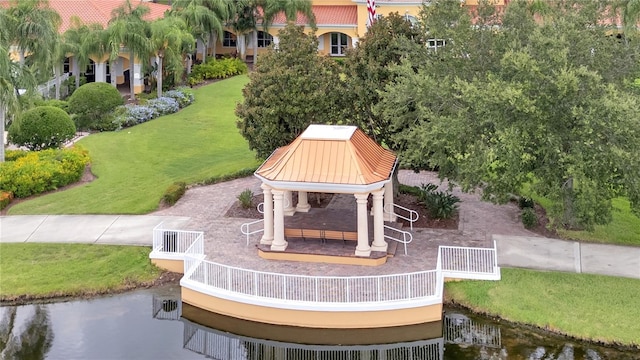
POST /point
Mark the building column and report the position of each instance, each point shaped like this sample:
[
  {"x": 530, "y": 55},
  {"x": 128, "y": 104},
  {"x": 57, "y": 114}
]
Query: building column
[
  {"x": 388, "y": 202},
  {"x": 289, "y": 209},
  {"x": 101, "y": 72},
  {"x": 267, "y": 237},
  {"x": 378, "y": 222},
  {"x": 303, "y": 202},
  {"x": 363, "y": 248},
  {"x": 279, "y": 243},
  {"x": 138, "y": 80}
]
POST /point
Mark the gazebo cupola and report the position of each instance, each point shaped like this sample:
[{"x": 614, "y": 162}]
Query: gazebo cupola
[{"x": 328, "y": 159}]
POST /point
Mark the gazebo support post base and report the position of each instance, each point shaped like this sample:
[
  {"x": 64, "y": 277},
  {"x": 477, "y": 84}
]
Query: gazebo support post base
[{"x": 279, "y": 247}]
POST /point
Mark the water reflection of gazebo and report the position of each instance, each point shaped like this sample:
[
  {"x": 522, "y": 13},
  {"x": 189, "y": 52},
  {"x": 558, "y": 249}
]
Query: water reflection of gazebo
[{"x": 327, "y": 159}]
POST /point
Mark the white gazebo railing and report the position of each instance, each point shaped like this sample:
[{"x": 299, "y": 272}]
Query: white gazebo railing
[
  {"x": 469, "y": 263},
  {"x": 331, "y": 293},
  {"x": 249, "y": 228}
]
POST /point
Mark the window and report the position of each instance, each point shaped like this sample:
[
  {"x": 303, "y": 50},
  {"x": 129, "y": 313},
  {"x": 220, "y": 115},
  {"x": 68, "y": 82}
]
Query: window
[
  {"x": 229, "y": 39},
  {"x": 66, "y": 65},
  {"x": 338, "y": 44},
  {"x": 264, "y": 39},
  {"x": 434, "y": 44}
]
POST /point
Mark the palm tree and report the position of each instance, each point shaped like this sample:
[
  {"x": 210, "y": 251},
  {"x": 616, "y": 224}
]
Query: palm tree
[
  {"x": 128, "y": 28},
  {"x": 33, "y": 28},
  {"x": 171, "y": 40},
  {"x": 205, "y": 18},
  {"x": 13, "y": 76},
  {"x": 254, "y": 12}
]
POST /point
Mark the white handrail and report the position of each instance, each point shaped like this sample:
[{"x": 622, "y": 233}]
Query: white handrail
[
  {"x": 260, "y": 208},
  {"x": 413, "y": 215},
  {"x": 406, "y": 237},
  {"x": 244, "y": 228}
]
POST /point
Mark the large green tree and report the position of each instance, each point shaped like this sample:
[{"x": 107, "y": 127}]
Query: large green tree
[
  {"x": 290, "y": 89},
  {"x": 387, "y": 42},
  {"x": 543, "y": 107}
]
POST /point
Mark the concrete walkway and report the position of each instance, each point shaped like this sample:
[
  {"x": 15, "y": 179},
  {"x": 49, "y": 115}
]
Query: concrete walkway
[{"x": 203, "y": 209}]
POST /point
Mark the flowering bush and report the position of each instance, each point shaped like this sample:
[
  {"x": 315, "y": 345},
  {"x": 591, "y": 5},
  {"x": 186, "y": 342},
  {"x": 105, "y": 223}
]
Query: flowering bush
[
  {"x": 40, "y": 171},
  {"x": 171, "y": 102},
  {"x": 164, "y": 105},
  {"x": 184, "y": 96},
  {"x": 5, "y": 199}
]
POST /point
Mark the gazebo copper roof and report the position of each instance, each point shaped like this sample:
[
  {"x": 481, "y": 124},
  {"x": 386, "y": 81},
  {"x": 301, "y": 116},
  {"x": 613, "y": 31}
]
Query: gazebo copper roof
[{"x": 340, "y": 156}]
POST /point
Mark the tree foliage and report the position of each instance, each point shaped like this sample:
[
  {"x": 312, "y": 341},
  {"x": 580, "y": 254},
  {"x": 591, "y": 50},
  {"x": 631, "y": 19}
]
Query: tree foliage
[
  {"x": 43, "y": 127},
  {"x": 389, "y": 40},
  {"x": 538, "y": 100},
  {"x": 290, "y": 88}
]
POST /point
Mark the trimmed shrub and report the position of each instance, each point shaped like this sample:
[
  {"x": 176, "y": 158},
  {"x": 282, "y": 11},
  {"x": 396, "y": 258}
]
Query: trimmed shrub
[
  {"x": 13, "y": 155},
  {"x": 41, "y": 171},
  {"x": 5, "y": 199},
  {"x": 43, "y": 127},
  {"x": 529, "y": 218},
  {"x": 174, "y": 193},
  {"x": 246, "y": 198},
  {"x": 61, "y": 104},
  {"x": 92, "y": 102}
]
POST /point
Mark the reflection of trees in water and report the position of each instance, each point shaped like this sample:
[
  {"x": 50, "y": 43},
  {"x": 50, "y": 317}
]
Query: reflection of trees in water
[{"x": 35, "y": 338}]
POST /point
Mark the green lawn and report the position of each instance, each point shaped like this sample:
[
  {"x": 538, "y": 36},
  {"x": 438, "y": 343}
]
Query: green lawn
[
  {"x": 46, "y": 270},
  {"x": 135, "y": 166},
  {"x": 594, "y": 307}
]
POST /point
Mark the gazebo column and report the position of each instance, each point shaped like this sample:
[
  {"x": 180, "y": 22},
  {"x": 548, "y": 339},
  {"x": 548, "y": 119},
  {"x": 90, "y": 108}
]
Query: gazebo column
[
  {"x": 388, "y": 202},
  {"x": 289, "y": 209},
  {"x": 279, "y": 243},
  {"x": 363, "y": 248},
  {"x": 378, "y": 222},
  {"x": 303, "y": 202},
  {"x": 267, "y": 237}
]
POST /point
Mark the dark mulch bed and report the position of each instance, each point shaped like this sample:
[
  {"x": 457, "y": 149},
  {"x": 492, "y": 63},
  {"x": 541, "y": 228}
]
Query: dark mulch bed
[
  {"x": 543, "y": 221},
  {"x": 425, "y": 220},
  {"x": 316, "y": 200}
]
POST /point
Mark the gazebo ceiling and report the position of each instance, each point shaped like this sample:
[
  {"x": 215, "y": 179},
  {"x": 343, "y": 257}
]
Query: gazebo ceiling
[{"x": 329, "y": 158}]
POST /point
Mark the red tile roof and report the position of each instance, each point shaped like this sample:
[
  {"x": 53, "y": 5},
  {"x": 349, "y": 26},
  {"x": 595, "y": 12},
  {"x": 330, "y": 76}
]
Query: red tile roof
[
  {"x": 95, "y": 11},
  {"x": 326, "y": 15}
]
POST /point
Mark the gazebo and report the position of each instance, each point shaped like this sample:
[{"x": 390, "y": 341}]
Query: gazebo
[{"x": 329, "y": 159}]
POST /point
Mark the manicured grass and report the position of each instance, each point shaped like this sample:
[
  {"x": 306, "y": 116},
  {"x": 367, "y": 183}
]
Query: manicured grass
[
  {"x": 135, "y": 166},
  {"x": 47, "y": 270},
  {"x": 593, "y": 307}
]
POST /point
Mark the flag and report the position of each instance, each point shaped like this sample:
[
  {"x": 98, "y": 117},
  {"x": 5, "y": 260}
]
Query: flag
[{"x": 371, "y": 9}]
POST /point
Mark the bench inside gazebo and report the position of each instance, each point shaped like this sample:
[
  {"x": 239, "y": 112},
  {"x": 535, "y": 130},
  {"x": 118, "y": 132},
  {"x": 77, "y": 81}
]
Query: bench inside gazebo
[{"x": 341, "y": 160}]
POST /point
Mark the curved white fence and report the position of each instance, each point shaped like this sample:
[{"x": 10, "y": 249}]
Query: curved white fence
[{"x": 331, "y": 293}]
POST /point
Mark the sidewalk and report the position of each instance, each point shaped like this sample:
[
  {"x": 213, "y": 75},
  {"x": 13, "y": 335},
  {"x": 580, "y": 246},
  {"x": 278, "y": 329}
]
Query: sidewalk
[{"x": 94, "y": 229}]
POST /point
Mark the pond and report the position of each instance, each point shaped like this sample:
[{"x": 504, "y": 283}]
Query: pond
[{"x": 147, "y": 324}]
